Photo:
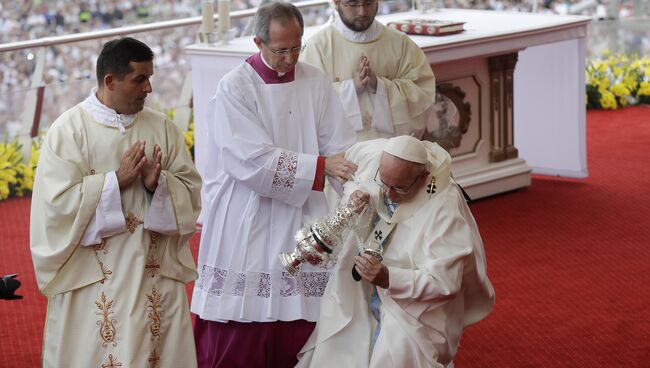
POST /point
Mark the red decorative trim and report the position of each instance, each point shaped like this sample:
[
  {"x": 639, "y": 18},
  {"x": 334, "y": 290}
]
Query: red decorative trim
[{"x": 319, "y": 179}]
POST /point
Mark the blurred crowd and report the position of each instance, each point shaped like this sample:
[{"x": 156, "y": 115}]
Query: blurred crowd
[
  {"x": 33, "y": 19},
  {"x": 69, "y": 68},
  {"x": 73, "y": 63}
]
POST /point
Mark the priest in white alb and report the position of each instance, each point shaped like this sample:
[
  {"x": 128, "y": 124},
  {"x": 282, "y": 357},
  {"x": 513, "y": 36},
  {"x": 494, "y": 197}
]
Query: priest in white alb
[
  {"x": 276, "y": 130},
  {"x": 115, "y": 201},
  {"x": 412, "y": 276},
  {"x": 383, "y": 78}
]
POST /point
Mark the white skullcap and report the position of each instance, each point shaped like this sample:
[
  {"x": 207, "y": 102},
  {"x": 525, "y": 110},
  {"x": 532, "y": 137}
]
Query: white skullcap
[{"x": 407, "y": 148}]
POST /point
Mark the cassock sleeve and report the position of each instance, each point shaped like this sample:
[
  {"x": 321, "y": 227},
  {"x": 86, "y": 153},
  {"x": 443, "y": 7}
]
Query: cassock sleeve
[
  {"x": 64, "y": 200},
  {"x": 345, "y": 89},
  {"x": 439, "y": 263},
  {"x": 248, "y": 153},
  {"x": 184, "y": 187},
  {"x": 109, "y": 219},
  {"x": 411, "y": 92},
  {"x": 351, "y": 103}
]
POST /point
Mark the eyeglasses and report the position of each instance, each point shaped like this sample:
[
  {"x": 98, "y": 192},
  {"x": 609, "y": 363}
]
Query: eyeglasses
[
  {"x": 284, "y": 52},
  {"x": 358, "y": 4},
  {"x": 386, "y": 187}
]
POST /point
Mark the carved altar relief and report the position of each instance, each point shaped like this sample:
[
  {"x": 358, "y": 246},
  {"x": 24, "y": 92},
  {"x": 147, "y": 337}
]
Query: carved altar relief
[
  {"x": 502, "y": 69},
  {"x": 455, "y": 123}
]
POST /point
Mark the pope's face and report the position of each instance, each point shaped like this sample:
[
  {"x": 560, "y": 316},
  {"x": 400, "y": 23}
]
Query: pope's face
[
  {"x": 357, "y": 15},
  {"x": 129, "y": 93},
  {"x": 282, "y": 37},
  {"x": 400, "y": 179}
]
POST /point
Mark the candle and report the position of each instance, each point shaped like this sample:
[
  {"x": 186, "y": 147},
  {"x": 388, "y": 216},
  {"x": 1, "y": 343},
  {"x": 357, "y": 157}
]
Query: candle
[
  {"x": 224, "y": 16},
  {"x": 207, "y": 25}
]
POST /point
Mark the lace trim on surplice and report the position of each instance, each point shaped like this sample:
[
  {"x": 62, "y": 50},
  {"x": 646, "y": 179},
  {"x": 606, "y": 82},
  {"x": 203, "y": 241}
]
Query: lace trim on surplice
[
  {"x": 222, "y": 282},
  {"x": 285, "y": 174}
]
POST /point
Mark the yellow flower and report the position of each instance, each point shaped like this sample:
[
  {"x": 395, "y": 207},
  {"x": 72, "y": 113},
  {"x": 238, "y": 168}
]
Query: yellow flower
[
  {"x": 189, "y": 137},
  {"x": 603, "y": 83},
  {"x": 602, "y": 67},
  {"x": 644, "y": 89},
  {"x": 592, "y": 80},
  {"x": 607, "y": 100},
  {"x": 34, "y": 156},
  {"x": 4, "y": 190},
  {"x": 620, "y": 90},
  {"x": 630, "y": 81},
  {"x": 15, "y": 177}
]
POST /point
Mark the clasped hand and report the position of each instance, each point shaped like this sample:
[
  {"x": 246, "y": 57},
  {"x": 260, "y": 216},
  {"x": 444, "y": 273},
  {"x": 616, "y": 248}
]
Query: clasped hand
[
  {"x": 135, "y": 163},
  {"x": 364, "y": 78}
]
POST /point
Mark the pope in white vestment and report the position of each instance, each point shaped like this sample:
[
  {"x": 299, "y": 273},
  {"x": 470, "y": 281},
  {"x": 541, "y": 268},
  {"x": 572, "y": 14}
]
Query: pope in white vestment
[
  {"x": 114, "y": 263},
  {"x": 405, "y": 88},
  {"x": 437, "y": 275}
]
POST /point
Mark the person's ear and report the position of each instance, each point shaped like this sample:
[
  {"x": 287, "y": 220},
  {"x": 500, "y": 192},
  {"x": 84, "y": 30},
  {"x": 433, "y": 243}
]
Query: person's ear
[
  {"x": 258, "y": 42},
  {"x": 109, "y": 82}
]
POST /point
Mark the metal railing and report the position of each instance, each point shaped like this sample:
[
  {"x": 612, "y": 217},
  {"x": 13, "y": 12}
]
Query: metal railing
[
  {"x": 122, "y": 31},
  {"x": 33, "y": 101}
]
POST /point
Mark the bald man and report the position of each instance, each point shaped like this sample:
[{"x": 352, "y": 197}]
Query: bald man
[{"x": 420, "y": 266}]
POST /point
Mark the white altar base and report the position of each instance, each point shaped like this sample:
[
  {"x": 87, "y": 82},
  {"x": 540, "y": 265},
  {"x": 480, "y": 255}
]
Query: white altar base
[{"x": 543, "y": 110}]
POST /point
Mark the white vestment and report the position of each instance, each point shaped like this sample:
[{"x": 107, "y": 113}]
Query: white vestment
[
  {"x": 405, "y": 82},
  {"x": 264, "y": 140},
  {"x": 121, "y": 301},
  {"x": 437, "y": 277}
]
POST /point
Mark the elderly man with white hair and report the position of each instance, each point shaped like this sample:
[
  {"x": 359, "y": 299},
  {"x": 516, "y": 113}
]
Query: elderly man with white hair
[{"x": 427, "y": 282}]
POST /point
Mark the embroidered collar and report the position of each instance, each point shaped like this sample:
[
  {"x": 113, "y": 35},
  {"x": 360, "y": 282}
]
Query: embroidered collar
[
  {"x": 105, "y": 114},
  {"x": 268, "y": 75},
  {"x": 372, "y": 33}
]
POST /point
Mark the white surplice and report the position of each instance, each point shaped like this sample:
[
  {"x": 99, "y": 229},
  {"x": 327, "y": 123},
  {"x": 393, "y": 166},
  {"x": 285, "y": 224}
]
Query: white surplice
[
  {"x": 264, "y": 140},
  {"x": 115, "y": 288},
  {"x": 437, "y": 277}
]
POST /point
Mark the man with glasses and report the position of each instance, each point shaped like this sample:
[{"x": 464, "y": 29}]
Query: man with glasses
[
  {"x": 276, "y": 131},
  {"x": 383, "y": 77},
  {"x": 409, "y": 304}
]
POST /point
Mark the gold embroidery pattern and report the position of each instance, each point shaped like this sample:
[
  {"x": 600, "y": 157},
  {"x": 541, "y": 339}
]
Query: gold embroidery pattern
[
  {"x": 112, "y": 362},
  {"x": 132, "y": 222},
  {"x": 92, "y": 171},
  {"x": 101, "y": 247},
  {"x": 153, "y": 306},
  {"x": 107, "y": 272},
  {"x": 152, "y": 266},
  {"x": 107, "y": 330},
  {"x": 154, "y": 359}
]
